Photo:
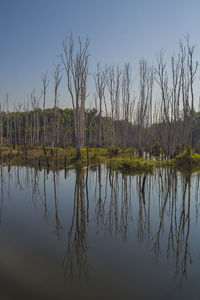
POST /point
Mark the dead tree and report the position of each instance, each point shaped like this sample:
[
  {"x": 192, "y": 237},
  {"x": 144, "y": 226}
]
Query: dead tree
[
  {"x": 192, "y": 68},
  {"x": 175, "y": 101},
  {"x": 113, "y": 78},
  {"x": 100, "y": 83},
  {"x": 57, "y": 76},
  {"x": 8, "y": 123},
  {"x": 76, "y": 66},
  {"x": 17, "y": 126},
  {"x": 163, "y": 82},
  {"x": 35, "y": 121},
  {"x": 57, "y": 79},
  {"x": 45, "y": 83},
  {"x": 188, "y": 72},
  {"x": 1, "y": 127},
  {"x": 26, "y": 125},
  {"x": 145, "y": 100},
  {"x": 126, "y": 101}
]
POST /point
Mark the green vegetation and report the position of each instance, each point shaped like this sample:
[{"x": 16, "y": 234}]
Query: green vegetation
[
  {"x": 156, "y": 149},
  {"x": 133, "y": 166},
  {"x": 187, "y": 161},
  {"x": 114, "y": 151},
  {"x": 126, "y": 161}
]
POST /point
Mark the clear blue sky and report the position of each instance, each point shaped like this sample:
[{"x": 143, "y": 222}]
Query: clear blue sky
[{"x": 32, "y": 32}]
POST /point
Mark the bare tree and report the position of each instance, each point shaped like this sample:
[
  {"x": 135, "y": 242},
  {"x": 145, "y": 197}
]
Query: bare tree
[
  {"x": 16, "y": 137},
  {"x": 167, "y": 97},
  {"x": 26, "y": 123},
  {"x": 113, "y": 78},
  {"x": 145, "y": 99},
  {"x": 35, "y": 122},
  {"x": 100, "y": 83},
  {"x": 192, "y": 68},
  {"x": 45, "y": 83},
  {"x": 126, "y": 100},
  {"x": 176, "y": 87},
  {"x": 1, "y": 127},
  {"x": 76, "y": 67},
  {"x": 175, "y": 102},
  {"x": 188, "y": 72},
  {"x": 185, "y": 85},
  {"x": 57, "y": 79},
  {"x": 8, "y": 125}
]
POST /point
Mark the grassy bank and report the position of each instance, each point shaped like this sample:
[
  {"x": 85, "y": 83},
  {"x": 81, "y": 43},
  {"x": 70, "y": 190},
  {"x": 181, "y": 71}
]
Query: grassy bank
[
  {"x": 124, "y": 161},
  {"x": 58, "y": 157}
]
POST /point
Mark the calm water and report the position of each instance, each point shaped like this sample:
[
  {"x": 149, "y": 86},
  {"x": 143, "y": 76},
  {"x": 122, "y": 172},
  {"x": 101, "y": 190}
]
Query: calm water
[{"x": 98, "y": 235}]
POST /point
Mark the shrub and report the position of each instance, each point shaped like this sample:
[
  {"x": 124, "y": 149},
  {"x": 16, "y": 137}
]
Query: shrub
[
  {"x": 134, "y": 165},
  {"x": 114, "y": 151},
  {"x": 156, "y": 149},
  {"x": 187, "y": 160},
  {"x": 94, "y": 157}
]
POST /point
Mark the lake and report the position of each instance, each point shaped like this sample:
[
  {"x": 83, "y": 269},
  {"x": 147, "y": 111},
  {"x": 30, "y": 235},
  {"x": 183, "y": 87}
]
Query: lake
[{"x": 97, "y": 234}]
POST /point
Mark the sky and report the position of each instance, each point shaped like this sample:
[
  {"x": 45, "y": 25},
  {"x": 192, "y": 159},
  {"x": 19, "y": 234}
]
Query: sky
[{"x": 120, "y": 31}]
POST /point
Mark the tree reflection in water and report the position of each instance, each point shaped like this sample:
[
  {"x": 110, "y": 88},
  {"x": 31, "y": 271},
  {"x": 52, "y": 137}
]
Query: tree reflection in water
[
  {"x": 75, "y": 259},
  {"x": 174, "y": 204},
  {"x": 156, "y": 207}
]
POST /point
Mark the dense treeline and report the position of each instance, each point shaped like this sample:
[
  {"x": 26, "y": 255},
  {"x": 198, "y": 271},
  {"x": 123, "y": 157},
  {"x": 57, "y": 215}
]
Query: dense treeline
[
  {"x": 27, "y": 128},
  {"x": 125, "y": 112}
]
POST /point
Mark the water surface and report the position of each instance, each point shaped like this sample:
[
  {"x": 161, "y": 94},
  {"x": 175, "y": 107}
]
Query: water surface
[{"x": 98, "y": 234}]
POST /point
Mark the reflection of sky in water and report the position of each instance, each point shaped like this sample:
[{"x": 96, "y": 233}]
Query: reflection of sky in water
[{"x": 107, "y": 238}]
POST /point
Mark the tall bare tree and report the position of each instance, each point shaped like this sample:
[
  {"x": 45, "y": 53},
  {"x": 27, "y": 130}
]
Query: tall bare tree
[
  {"x": 188, "y": 73},
  {"x": 76, "y": 66},
  {"x": 192, "y": 68},
  {"x": 35, "y": 122},
  {"x": 1, "y": 127},
  {"x": 100, "y": 84},
  {"x": 145, "y": 99},
  {"x": 126, "y": 100},
  {"x": 113, "y": 79},
  {"x": 57, "y": 76},
  {"x": 45, "y": 83}
]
